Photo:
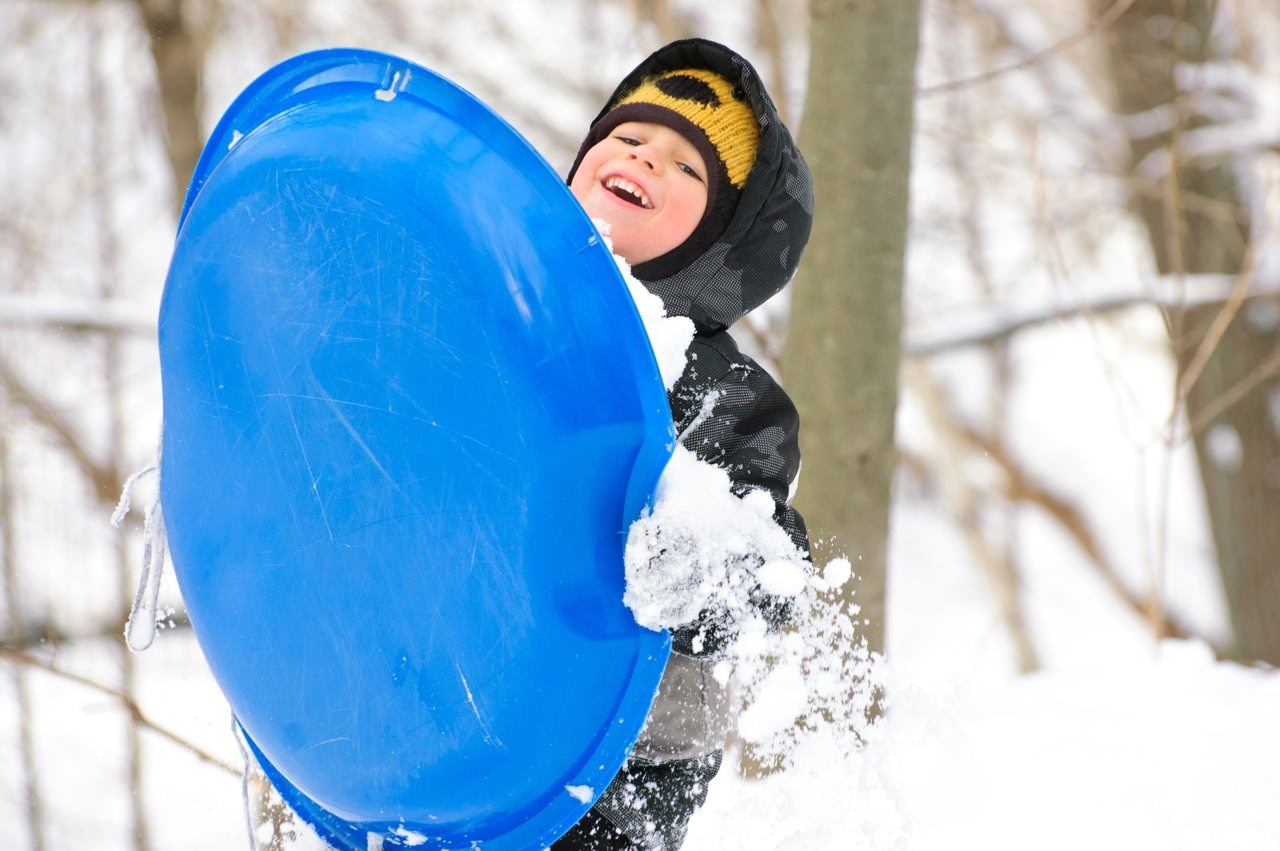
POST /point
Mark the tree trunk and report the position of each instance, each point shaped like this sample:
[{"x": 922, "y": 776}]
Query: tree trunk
[
  {"x": 178, "y": 53},
  {"x": 842, "y": 351},
  {"x": 1197, "y": 223}
]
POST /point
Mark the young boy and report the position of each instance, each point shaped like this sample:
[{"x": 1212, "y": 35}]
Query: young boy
[{"x": 710, "y": 203}]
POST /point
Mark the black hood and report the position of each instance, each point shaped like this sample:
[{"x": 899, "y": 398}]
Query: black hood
[{"x": 759, "y": 250}]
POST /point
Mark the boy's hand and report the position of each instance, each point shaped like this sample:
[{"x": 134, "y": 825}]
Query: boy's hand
[
  {"x": 686, "y": 580},
  {"x": 704, "y": 559},
  {"x": 671, "y": 574}
]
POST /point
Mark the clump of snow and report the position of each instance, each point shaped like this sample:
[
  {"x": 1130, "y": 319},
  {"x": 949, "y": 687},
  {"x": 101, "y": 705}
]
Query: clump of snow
[
  {"x": 781, "y": 578},
  {"x": 668, "y": 335},
  {"x": 815, "y": 678},
  {"x": 264, "y": 833},
  {"x": 125, "y": 504},
  {"x": 701, "y": 547},
  {"x": 837, "y": 572},
  {"x": 581, "y": 793},
  {"x": 410, "y": 838},
  {"x": 779, "y": 701}
]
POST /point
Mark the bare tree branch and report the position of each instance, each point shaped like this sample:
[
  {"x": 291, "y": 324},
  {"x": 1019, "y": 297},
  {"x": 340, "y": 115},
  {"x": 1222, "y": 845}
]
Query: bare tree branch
[
  {"x": 1020, "y": 486},
  {"x": 1098, "y": 24},
  {"x": 77, "y": 314},
  {"x": 22, "y": 694},
  {"x": 1210, "y": 411},
  {"x": 964, "y": 502},
  {"x": 131, "y": 706},
  {"x": 1146, "y": 56},
  {"x": 1209, "y": 342},
  {"x": 987, "y": 327},
  {"x": 104, "y": 479}
]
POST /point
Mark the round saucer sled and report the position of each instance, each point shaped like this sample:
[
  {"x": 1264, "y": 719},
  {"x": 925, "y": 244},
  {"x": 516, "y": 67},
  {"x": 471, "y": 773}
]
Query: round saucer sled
[{"x": 410, "y": 412}]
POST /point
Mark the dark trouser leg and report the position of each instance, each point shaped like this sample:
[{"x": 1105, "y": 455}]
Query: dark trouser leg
[
  {"x": 646, "y": 806},
  {"x": 594, "y": 833}
]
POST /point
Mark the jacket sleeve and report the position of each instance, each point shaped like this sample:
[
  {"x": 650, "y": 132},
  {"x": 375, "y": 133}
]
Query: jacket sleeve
[{"x": 742, "y": 421}]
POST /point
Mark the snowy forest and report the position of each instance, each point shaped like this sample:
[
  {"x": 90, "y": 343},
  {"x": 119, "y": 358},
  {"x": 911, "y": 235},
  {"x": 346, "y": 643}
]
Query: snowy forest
[{"x": 1034, "y": 343}]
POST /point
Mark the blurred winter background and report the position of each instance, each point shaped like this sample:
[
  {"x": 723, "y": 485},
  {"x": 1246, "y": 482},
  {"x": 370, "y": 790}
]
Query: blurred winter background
[{"x": 1083, "y": 541}]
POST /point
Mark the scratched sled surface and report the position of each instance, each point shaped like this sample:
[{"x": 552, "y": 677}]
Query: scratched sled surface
[{"x": 409, "y": 413}]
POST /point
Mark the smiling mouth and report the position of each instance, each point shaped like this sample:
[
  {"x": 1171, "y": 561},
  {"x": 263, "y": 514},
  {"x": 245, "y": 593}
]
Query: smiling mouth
[{"x": 628, "y": 191}]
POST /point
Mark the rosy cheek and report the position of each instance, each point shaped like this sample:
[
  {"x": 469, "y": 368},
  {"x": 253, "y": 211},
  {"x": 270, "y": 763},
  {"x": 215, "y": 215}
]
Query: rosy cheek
[{"x": 582, "y": 181}]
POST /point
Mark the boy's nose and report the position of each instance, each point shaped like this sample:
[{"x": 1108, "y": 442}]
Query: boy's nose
[{"x": 646, "y": 158}]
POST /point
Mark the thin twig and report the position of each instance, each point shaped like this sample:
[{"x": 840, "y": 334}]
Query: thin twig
[
  {"x": 130, "y": 705},
  {"x": 1102, "y": 22},
  {"x": 104, "y": 478},
  {"x": 1261, "y": 372},
  {"x": 27, "y": 759},
  {"x": 963, "y": 503},
  {"x": 1021, "y": 487},
  {"x": 1152, "y": 608},
  {"x": 1209, "y": 343},
  {"x": 75, "y": 315},
  {"x": 941, "y": 344}
]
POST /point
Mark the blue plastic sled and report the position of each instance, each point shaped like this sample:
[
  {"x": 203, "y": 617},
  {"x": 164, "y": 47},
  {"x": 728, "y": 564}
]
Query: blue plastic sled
[{"x": 410, "y": 411}]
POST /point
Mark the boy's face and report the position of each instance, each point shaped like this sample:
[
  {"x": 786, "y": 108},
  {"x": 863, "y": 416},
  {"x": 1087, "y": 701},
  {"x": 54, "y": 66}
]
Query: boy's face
[{"x": 649, "y": 183}]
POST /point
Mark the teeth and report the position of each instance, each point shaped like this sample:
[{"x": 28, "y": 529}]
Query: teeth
[{"x": 627, "y": 186}]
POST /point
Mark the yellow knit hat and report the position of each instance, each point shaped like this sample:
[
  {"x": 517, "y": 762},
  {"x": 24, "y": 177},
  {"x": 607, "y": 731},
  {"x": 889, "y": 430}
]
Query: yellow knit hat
[{"x": 707, "y": 100}]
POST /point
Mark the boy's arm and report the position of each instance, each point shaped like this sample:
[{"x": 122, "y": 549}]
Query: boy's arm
[
  {"x": 731, "y": 413},
  {"x": 751, "y": 430}
]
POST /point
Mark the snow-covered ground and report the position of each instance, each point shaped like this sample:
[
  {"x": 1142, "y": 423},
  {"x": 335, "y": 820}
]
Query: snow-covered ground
[
  {"x": 1172, "y": 752},
  {"x": 1151, "y": 745}
]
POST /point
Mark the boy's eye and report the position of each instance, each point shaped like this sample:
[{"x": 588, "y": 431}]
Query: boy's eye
[
  {"x": 627, "y": 140},
  {"x": 691, "y": 171}
]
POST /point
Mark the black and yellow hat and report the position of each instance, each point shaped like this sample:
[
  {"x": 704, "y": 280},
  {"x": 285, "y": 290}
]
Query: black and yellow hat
[
  {"x": 713, "y": 114},
  {"x": 706, "y": 100}
]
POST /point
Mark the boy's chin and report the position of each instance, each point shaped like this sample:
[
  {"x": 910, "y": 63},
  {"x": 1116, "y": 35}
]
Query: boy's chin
[
  {"x": 622, "y": 242},
  {"x": 625, "y": 255},
  {"x": 630, "y": 253}
]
